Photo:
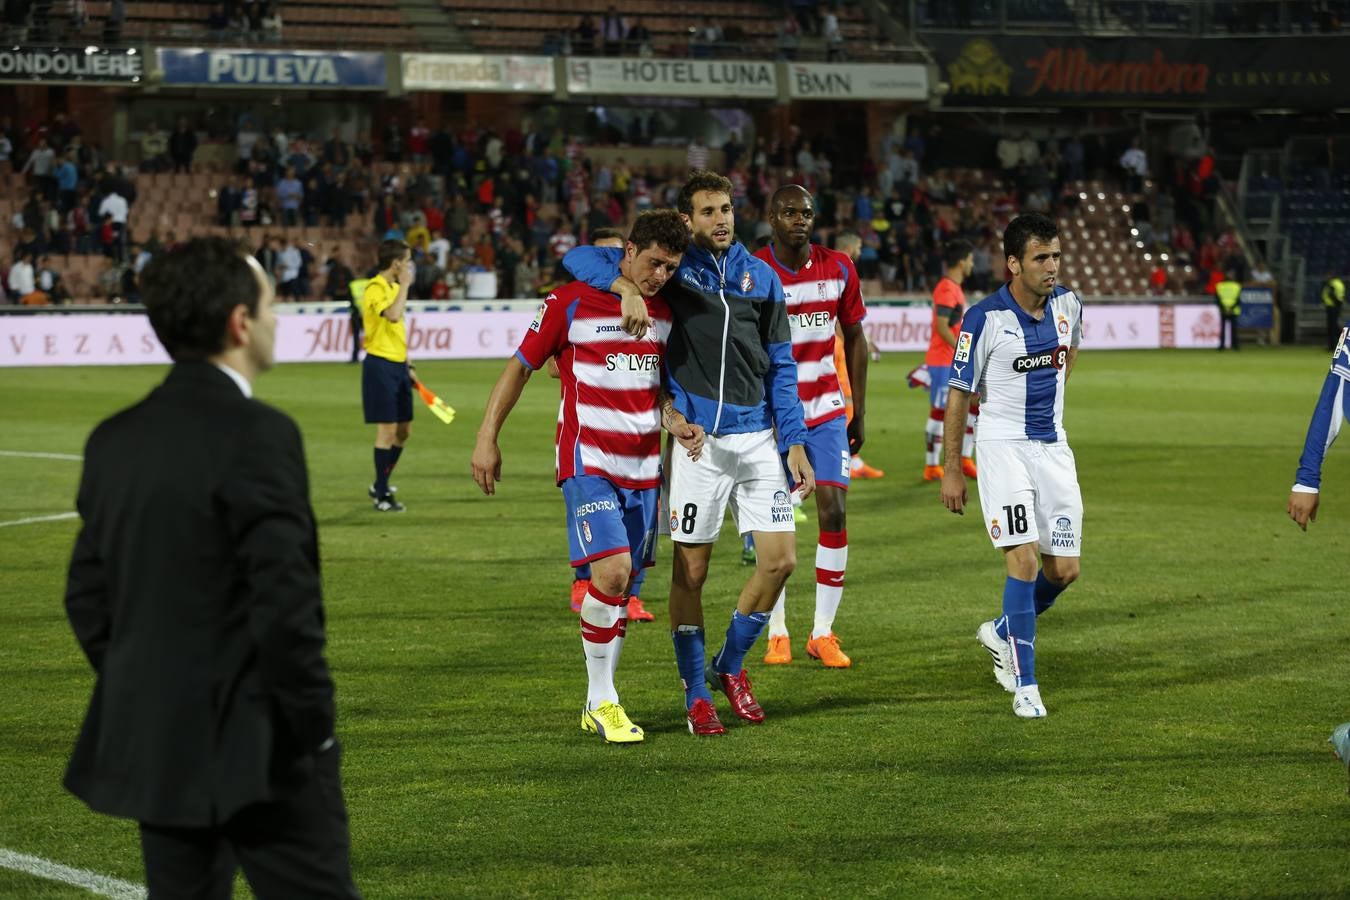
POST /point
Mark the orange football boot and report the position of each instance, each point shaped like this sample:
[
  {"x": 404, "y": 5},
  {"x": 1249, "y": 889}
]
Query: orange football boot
[
  {"x": 580, "y": 587},
  {"x": 637, "y": 612},
  {"x": 863, "y": 470},
  {"x": 932, "y": 473},
  {"x": 968, "y": 466},
  {"x": 827, "y": 650},
  {"x": 780, "y": 650}
]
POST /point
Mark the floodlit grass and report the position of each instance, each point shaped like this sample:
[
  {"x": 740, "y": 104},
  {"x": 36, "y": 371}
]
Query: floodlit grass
[{"x": 1192, "y": 676}]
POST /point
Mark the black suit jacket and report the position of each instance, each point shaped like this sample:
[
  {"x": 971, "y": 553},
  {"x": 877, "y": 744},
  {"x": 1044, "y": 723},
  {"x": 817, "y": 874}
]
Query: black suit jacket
[{"x": 194, "y": 591}]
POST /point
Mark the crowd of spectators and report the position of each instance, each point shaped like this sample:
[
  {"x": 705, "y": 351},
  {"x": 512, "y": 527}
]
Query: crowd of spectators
[
  {"x": 613, "y": 34},
  {"x": 246, "y": 21},
  {"x": 490, "y": 214}
]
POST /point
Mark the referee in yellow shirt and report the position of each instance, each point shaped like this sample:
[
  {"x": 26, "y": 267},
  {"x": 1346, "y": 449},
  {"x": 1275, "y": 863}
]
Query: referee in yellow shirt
[{"x": 386, "y": 386}]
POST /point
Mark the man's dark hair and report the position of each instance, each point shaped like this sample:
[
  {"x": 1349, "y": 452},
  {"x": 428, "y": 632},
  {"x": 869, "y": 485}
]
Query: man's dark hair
[
  {"x": 662, "y": 227},
  {"x": 391, "y": 251},
  {"x": 957, "y": 250},
  {"x": 1025, "y": 227},
  {"x": 786, "y": 190},
  {"x": 605, "y": 234},
  {"x": 701, "y": 180},
  {"x": 189, "y": 292}
]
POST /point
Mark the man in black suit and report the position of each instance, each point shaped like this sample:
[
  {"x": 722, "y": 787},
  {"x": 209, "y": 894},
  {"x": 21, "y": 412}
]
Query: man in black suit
[{"x": 194, "y": 591}]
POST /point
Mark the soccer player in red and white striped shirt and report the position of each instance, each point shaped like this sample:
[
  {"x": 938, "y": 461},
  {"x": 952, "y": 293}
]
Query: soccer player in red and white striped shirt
[
  {"x": 821, "y": 288},
  {"x": 608, "y": 452}
]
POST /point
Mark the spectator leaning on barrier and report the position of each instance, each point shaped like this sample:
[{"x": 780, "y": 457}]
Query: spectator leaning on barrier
[
  {"x": 154, "y": 150},
  {"x": 182, "y": 147}
]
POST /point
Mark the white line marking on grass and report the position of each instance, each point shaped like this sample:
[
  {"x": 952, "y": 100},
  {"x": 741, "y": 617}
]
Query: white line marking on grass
[
  {"x": 55, "y": 517},
  {"x": 103, "y": 885},
  {"x": 73, "y": 457}
]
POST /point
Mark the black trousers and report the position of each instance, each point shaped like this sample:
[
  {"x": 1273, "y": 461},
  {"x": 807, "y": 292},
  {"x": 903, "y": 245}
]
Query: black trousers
[
  {"x": 1333, "y": 326},
  {"x": 294, "y": 846}
]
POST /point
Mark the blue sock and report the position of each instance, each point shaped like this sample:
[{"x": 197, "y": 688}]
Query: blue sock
[
  {"x": 383, "y": 464},
  {"x": 1046, "y": 592},
  {"x": 636, "y": 589},
  {"x": 582, "y": 572},
  {"x": 690, "y": 657},
  {"x": 749, "y": 540},
  {"x": 741, "y": 636},
  {"x": 1019, "y": 623}
]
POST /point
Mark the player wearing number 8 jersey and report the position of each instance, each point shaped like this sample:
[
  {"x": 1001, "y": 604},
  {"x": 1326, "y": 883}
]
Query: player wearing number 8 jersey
[
  {"x": 1016, "y": 349},
  {"x": 608, "y": 442},
  {"x": 729, "y": 369}
]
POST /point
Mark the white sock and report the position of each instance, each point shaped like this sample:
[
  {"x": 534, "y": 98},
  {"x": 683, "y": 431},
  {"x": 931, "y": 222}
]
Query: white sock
[
  {"x": 603, "y": 625},
  {"x": 968, "y": 444},
  {"x": 778, "y": 618},
  {"x": 933, "y": 439},
  {"x": 831, "y": 560}
]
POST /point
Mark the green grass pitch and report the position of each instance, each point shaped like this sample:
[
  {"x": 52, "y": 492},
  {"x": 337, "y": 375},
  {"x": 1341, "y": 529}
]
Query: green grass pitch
[{"x": 1192, "y": 676}]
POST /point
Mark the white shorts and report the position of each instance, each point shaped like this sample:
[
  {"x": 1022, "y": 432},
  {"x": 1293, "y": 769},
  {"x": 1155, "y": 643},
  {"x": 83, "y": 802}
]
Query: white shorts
[
  {"x": 744, "y": 470},
  {"x": 1029, "y": 494}
]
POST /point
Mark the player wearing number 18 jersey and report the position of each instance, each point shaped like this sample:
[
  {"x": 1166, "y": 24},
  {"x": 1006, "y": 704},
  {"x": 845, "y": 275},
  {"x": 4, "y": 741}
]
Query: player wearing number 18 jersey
[{"x": 1017, "y": 348}]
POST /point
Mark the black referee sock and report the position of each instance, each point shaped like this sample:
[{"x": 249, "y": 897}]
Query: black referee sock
[
  {"x": 384, "y": 461},
  {"x": 397, "y": 451}
]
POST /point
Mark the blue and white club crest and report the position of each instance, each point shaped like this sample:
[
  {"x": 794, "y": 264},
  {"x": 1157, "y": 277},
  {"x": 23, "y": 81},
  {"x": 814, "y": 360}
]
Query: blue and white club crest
[
  {"x": 747, "y": 283},
  {"x": 586, "y": 530}
]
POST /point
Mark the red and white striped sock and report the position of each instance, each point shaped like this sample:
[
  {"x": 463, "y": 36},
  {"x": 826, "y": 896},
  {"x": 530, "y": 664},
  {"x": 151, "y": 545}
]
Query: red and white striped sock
[
  {"x": 933, "y": 438},
  {"x": 831, "y": 560},
  {"x": 604, "y": 622}
]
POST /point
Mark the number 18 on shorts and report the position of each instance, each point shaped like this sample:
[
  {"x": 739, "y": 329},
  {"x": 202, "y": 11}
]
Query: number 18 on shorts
[{"x": 1029, "y": 494}]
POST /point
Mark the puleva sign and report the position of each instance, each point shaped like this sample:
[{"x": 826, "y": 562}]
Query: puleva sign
[{"x": 271, "y": 68}]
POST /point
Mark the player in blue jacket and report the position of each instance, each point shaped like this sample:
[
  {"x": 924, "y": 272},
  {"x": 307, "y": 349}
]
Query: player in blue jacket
[{"x": 729, "y": 368}]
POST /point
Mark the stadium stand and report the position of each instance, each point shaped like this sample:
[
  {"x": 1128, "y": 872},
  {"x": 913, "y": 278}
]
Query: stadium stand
[
  {"x": 748, "y": 28},
  {"x": 305, "y": 23}
]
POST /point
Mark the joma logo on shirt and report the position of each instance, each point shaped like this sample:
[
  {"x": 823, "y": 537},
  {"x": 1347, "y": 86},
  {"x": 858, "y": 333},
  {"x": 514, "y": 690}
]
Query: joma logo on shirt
[
  {"x": 632, "y": 362},
  {"x": 1050, "y": 359},
  {"x": 810, "y": 320}
]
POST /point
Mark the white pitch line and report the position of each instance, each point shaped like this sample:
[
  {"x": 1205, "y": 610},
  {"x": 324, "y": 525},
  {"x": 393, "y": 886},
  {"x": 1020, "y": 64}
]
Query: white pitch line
[
  {"x": 73, "y": 457},
  {"x": 102, "y": 885},
  {"x": 55, "y": 517}
]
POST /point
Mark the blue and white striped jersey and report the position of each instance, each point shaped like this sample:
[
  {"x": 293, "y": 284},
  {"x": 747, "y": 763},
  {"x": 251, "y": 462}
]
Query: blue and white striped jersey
[
  {"x": 1333, "y": 406},
  {"x": 1016, "y": 363}
]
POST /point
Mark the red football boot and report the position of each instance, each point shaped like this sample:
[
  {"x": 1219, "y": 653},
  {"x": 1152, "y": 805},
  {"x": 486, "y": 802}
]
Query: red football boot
[
  {"x": 702, "y": 719},
  {"x": 737, "y": 689}
]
